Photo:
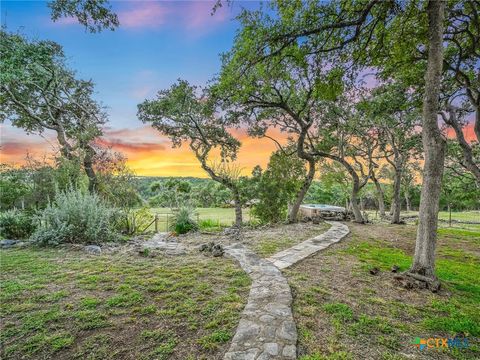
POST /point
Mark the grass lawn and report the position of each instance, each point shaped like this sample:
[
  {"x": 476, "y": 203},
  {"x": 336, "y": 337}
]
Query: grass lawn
[
  {"x": 343, "y": 312},
  {"x": 272, "y": 242},
  {"x": 65, "y": 304},
  {"x": 473, "y": 215},
  {"x": 461, "y": 216},
  {"x": 224, "y": 216}
]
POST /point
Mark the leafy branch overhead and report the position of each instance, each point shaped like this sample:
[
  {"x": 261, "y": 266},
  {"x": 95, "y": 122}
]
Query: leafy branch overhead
[{"x": 95, "y": 15}]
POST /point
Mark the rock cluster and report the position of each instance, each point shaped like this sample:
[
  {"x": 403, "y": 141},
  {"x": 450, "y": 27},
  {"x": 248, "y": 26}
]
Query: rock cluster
[
  {"x": 211, "y": 248},
  {"x": 160, "y": 244}
]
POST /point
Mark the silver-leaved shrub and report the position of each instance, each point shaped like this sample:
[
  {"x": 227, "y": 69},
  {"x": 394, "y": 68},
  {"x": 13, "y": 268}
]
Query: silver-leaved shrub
[{"x": 76, "y": 217}]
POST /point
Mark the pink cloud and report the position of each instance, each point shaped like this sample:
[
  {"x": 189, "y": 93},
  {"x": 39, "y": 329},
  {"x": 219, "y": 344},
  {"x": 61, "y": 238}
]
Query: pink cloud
[
  {"x": 143, "y": 84},
  {"x": 199, "y": 15},
  {"x": 66, "y": 21},
  {"x": 143, "y": 15},
  {"x": 195, "y": 17}
]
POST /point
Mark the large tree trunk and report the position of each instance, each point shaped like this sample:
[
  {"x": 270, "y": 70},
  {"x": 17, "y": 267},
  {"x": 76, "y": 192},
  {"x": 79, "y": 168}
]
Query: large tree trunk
[
  {"x": 354, "y": 195},
  {"x": 434, "y": 149},
  {"x": 88, "y": 165},
  {"x": 380, "y": 197},
  {"x": 396, "y": 202},
  {"x": 292, "y": 216},
  {"x": 65, "y": 148}
]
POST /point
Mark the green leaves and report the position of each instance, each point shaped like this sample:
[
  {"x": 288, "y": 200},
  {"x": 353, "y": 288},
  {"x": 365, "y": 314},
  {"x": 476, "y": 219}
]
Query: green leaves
[
  {"x": 95, "y": 15},
  {"x": 186, "y": 113},
  {"x": 39, "y": 92}
]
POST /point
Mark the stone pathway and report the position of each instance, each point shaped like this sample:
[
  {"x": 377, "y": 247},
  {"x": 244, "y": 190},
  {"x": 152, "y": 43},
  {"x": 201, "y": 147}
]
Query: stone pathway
[
  {"x": 290, "y": 256},
  {"x": 162, "y": 243},
  {"x": 267, "y": 329}
]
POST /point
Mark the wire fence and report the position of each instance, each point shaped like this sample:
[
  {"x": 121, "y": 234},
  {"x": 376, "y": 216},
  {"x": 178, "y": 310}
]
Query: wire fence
[{"x": 162, "y": 220}]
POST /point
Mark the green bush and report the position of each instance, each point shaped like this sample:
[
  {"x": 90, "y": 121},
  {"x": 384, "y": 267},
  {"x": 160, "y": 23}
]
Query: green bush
[
  {"x": 136, "y": 221},
  {"x": 209, "y": 225},
  {"x": 75, "y": 217},
  {"x": 183, "y": 220},
  {"x": 16, "y": 224}
]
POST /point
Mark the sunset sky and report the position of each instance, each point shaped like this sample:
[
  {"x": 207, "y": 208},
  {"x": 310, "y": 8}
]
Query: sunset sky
[{"x": 156, "y": 43}]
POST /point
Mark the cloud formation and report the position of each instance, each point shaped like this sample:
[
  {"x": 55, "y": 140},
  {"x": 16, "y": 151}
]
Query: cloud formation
[
  {"x": 188, "y": 15},
  {"x": 148, "y": 152},
  {"x": 144, "y": 15}
]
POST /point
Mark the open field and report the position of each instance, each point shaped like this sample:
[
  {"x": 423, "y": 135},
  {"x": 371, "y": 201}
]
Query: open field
[
  {"x": 344, "y": 312},
  {"x": 225, "y": 216},
  {"x": 64, "y": 304}
]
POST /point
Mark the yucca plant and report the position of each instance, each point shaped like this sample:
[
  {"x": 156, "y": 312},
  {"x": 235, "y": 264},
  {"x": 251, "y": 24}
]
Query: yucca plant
[{"x": 183, "y": 220}]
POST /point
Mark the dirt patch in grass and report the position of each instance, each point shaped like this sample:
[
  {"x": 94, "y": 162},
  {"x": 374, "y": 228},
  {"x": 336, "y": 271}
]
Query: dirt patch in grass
[
  {"x": 344, "y": 312},
  {"x": 64, "y": 304},
  {"x": 266, "y": 240}
]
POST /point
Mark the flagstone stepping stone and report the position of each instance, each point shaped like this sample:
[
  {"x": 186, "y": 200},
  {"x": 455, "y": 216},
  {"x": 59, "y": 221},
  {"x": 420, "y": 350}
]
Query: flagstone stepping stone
[
  {"x": 292, "y": 255},
  {"x": 162, "y": 243},
  {"x": 266, "y": 329}
]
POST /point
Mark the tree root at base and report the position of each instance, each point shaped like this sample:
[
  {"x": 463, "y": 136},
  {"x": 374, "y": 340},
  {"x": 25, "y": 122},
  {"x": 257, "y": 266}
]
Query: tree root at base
[{"x": 409, "y": 280}]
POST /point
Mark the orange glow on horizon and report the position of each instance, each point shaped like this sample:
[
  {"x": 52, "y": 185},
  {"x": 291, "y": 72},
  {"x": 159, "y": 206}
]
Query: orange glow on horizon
[{"x": 148, "y": 152}]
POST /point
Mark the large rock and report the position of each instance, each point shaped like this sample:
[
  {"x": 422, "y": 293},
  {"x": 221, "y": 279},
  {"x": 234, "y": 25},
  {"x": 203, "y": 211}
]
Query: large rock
[
  {"x": 93, "y": 249},
  {"x": 7, "y": 243}
]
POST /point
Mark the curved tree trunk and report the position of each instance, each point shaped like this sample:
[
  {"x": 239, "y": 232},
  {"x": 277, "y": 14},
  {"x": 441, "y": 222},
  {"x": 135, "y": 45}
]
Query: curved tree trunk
[
  {"x": 380, "y": 197},
  {"x": 434, "y": 148},
  {"x": 226, "y": 181},
  {"x": 65, "y": 147},
  {"x": 396, "y": 202},
  {"x": 355, "y": 190},
  {"x": 292, "y": 216},
  {"x": 88, "y": 165},
  {"x": 355, "y": 208},
  {"x": 468, "y": 157}
]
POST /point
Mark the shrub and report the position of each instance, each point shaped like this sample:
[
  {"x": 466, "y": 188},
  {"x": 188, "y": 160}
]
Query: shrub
[
  {"x": 135, "y": 221},
  {"x": 16, "y": 224},
  {"x": 75, "y": 217},
  {"x": 210, "y": 225},
  {"x": 183, "y": 220}
]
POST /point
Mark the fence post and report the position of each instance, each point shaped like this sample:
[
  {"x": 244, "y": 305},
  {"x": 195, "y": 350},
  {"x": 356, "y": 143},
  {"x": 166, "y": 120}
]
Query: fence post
[
  {"x": 167, "y": 222},
  {"x": 156, "y": 223}
]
